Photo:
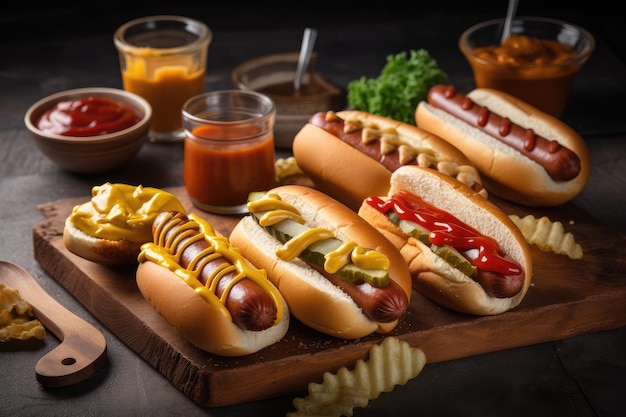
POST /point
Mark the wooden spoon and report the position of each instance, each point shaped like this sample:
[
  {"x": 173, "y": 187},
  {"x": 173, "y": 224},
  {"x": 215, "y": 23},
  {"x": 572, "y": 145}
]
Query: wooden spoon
[{"x": 82, "y": 351}]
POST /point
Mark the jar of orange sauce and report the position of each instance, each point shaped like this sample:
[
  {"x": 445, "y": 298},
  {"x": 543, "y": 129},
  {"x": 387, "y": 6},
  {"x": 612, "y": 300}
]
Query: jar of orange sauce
[
  {"x": 537, "y": 63},
  {"x": 229, "y": 149},
  {"x": 163, "y": 59}
]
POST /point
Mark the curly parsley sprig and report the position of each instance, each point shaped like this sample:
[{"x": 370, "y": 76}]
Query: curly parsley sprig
[{"x": 404, "y": 82}]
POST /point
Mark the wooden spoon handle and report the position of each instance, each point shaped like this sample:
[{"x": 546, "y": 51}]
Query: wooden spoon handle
[{"x": 82, "y": 351}]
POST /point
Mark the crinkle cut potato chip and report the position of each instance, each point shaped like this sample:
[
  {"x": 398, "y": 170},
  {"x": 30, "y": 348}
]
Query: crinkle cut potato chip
[
  {"x": 390, "y": 363},
  {"x": 16, "y": 317},
  {"x": 548, "y": 236}
]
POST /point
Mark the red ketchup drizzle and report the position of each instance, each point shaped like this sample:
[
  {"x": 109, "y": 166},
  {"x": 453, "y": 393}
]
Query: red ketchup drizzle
[
  {"x": 91, "y": 116},
  {"x": 505, "y": 127},
  {"x": 530, "y": 140},
  {"x": 446, "y": 229}
]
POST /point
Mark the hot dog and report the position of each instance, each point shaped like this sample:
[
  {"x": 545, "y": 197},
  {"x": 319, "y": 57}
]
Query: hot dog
[
  {"x": 111, "y": 227},
  {"x": 351, "y": 154},
  {"x": 206, "y": 290},
  {"x": 463, "y": 252},
  {"x": 337, "y": 273},
  {"x": 524, "y": 155}
]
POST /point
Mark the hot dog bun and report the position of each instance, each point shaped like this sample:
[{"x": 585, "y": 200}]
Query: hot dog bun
[
  {"x": 311, "y": 297},
  {"x": 111, "y": 227},
  {"x": 102, "y": 251},
  {"x": 433, "y": 276},
  {"x": 351, "y": 154},
  {"x": 207, "y": 291},
  {"x": 505, "y": 171},
  {"x": 197, "y": 320}
]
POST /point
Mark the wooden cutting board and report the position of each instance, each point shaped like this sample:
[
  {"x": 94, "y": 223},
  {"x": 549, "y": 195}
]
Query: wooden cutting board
[{"x": 567, "y": 298}]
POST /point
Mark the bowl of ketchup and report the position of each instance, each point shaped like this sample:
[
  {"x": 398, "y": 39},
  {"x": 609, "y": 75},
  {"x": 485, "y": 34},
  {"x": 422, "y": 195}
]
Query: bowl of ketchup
[
  {"x": 537, "y": 63},
  {"x": 89, "y": 130}
]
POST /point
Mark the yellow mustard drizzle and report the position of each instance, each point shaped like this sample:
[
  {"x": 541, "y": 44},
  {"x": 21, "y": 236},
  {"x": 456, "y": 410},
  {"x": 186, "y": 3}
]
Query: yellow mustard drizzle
[
  {"x": 272, "y": 217},
  {"x": 358, "y": 255},
  {"x": 336, "y": 259},
  {"x": 167, "y": 253},
  {"x": 122, "y": 211},
  {"x": 369, "y": 259},
  {"x": 347, "y": 252},
  {"x": 391, "y": 140},
  {"x": 297, "y": 244}
]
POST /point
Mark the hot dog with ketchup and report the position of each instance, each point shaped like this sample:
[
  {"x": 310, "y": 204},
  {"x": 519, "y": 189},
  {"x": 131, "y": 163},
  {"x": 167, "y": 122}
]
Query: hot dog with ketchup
[
  {"x": 524, "y": 155},
  {"x": 463, "y": 252},
  {"x": 338, "y": 274},
  {"x": 206, "y": 290},
  {"x": 351, "y": 154}
]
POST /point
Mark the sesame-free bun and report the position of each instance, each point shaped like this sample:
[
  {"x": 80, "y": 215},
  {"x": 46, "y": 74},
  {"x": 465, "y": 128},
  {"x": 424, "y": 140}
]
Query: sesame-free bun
[
  {"x": 506, "y": 172},
  {"x": 199, "y": 321},
  {"x": 434, "y": 277},
  {"x": 102, "y": 251},
  {"x": 351, "y": 154},
  {"x": 311, "y": 297}
]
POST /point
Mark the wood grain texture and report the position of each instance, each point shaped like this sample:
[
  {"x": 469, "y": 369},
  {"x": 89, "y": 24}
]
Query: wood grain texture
[
  {"x": 567, "y": 298},
  {"x": 83, "y": 349}
]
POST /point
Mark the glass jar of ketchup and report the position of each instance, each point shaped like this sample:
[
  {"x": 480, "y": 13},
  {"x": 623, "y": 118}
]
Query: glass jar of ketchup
[{"x": 229, "y": 148}]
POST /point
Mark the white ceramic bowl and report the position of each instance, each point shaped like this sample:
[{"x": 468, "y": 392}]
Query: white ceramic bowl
[{"x": 91, "y": 154}]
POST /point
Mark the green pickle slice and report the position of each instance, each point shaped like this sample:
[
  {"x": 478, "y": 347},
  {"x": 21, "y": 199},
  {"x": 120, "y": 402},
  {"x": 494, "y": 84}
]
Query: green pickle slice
[
  {"x": 447, "y": 253},
  {"x": 287, "y": 229}
]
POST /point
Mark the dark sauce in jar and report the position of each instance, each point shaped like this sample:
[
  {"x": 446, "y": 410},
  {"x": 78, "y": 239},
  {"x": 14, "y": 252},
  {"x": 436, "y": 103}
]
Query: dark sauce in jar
[{"x": 286, "y": 89}]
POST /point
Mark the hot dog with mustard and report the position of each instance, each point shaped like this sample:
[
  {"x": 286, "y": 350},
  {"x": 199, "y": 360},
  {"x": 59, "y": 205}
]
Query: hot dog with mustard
[
  {"x": 337, "y": 273},
  {"x": 207, "y": 290},
  {"x": 351, "y": 154}
]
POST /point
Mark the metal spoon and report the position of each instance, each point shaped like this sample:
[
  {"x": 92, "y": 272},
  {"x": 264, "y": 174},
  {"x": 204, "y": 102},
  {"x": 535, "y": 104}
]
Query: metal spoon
[
  {"x": 510, "y": 15},
  {"x": 308, "y": 42}
]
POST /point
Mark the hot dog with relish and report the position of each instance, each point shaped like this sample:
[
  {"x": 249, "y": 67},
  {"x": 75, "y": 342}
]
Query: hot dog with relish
[
  {"x": 337, "y": 273},
  {"x": 463, "y": 252}
]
